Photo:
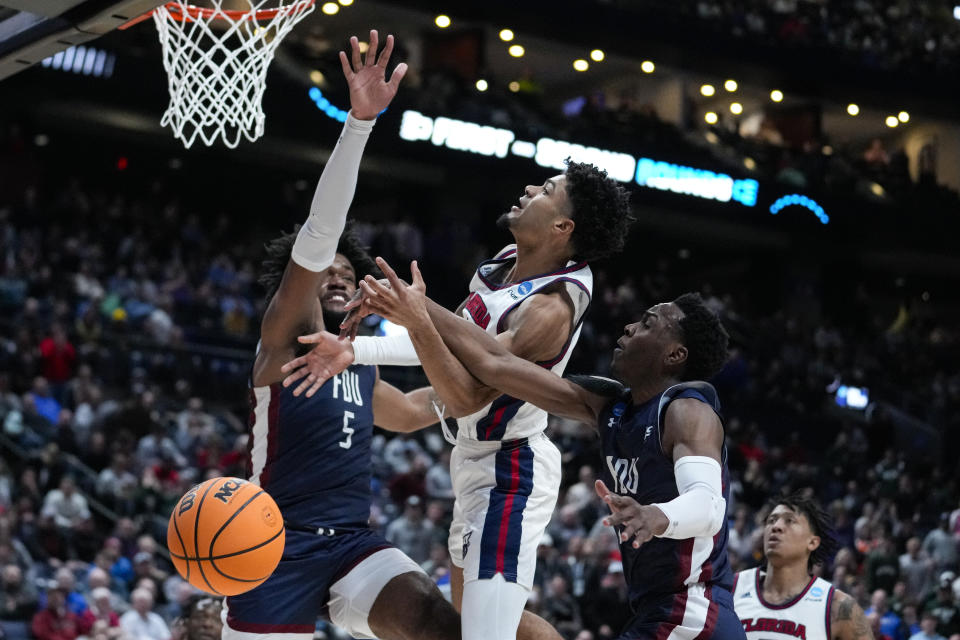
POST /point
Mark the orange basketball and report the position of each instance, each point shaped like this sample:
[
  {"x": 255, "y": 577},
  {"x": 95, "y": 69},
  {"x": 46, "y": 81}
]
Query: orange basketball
[{"x": 225, "y": 536}]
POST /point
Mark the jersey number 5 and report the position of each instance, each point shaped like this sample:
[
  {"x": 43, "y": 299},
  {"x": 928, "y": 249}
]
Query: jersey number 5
[{"x": 347, "y": 429}]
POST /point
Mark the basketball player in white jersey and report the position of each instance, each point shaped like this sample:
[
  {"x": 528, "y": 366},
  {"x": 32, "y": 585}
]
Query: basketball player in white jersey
[
  {"x": 784, "y": 600},
  {"x": 532, "y": 296}
]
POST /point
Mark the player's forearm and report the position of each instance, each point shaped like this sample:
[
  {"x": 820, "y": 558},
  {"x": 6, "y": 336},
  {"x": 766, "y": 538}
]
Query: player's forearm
[
  {"x": 495, "y": 366},
  {"x": 316, "y": 244},
  {"x": 700, "y": 508},
  {"x": 456, "y": 387},
  {"x": 479, "y": 352}
]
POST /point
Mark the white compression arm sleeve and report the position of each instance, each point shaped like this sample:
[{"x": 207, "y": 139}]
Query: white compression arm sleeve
[
  {"x": 700, "y": 509},
  {"x": 316, "y": 244},
  {"x": 390, "y": 350}
]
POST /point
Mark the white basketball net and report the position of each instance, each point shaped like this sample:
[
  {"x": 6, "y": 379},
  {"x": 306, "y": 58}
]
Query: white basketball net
[{"x": 217, "y": 78}]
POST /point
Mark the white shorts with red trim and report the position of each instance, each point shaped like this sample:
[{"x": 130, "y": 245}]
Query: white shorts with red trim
[{"x": 505, "y": 496}]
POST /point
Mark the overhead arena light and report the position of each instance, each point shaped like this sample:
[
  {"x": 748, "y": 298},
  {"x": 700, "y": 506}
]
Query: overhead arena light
[
  {"x": 853, "y": 109},
  {"x": 597, "y": 55},
  {"x": 581, "y": 64},
  {"x": 776, "y": 95},
  {"x": 442, "y": 21},
  {"x": 506, "y": 35},
  {"x": 707, "y": 90},
  {"x": 516, "y": 50},
  {"x": 647, "y": 66}
]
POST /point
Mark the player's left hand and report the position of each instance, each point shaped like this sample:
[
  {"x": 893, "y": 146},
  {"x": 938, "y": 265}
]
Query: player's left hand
[
  {"x": 370, "y": 91},
  {"x": 326, "y": 359},
  {"x": 637, "y": 521},
  {"x": 400, "y": 303}
]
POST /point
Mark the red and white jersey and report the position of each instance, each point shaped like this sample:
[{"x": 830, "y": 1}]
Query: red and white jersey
[
  {"x": 807, "y": 616},
  {"x": 489, "y": 306}
]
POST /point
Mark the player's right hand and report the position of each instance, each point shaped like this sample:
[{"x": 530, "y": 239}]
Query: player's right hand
[
  {"x": 370, "y": 92},
  {"x": 329, "y": 357}
]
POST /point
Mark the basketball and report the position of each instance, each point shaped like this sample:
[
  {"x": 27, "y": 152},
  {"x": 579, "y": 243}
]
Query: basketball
[{"x": 225, "y": 536}]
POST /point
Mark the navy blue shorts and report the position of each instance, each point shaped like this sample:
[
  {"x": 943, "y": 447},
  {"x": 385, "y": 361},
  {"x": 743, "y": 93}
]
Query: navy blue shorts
[
  {"x": 697, "y": 614},
  {"x": 296, "y": 594}
]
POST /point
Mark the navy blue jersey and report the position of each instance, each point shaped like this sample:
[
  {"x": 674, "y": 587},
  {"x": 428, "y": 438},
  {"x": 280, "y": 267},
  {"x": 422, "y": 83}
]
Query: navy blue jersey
[
  {"x": 637, "y": 467},
  {"x": 312, "y": 455}
]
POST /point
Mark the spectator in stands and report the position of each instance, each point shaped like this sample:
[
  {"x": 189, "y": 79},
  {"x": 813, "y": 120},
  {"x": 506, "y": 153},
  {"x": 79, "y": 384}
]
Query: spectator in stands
[
  {"x": 18, "y": 603},
  {"x": 876, "y": 156},
  {"x": 883, "y": 566},
  {"x": 438, "y": 483},
  {"x": 890, "y": 623},
  {"x": 928, "y": 628},
  {"x": 101, "y": 610},
  {"x": 940, "y": 546},
  {"x": 411, "y": 532},
  {"x": 560, "y": 608},
  {"x": 141, "y": 623},
  {"x": 55, "y": 621},
  {"x": 916, "y": 570},
  {"x": 116, "y": 484},
  {"x": 942, "y": 605},
  {"x": 67, "y": 582},
  {"x": 66, "y": 506},
  {"x": 57, "y": 356},
  {"x": 43, "y": 402}
]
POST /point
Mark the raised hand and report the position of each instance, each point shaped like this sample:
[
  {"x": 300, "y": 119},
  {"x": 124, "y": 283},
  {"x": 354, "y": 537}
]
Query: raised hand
[
  {"x": 329, "y": 357},
  {"x": 399, "y": 302},
  {"x": 370, "y": 92},
  {"x": 357, "y": 309},
  {"x": 636, "y": 521}
]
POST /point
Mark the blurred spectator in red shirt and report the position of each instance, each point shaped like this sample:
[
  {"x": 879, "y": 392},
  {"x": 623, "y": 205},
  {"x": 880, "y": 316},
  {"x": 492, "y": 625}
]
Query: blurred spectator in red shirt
[
  {"x": 55, "y": 622},
  {"x": 57, "y": 356}
]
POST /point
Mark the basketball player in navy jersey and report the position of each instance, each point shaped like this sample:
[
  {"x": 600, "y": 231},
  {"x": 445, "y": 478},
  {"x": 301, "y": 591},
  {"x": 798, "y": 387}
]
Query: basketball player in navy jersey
[
  {"x": 531, "y": 298},
  {"x": 783, "y": 600},
  {"x": 313, "y": 454},
  {"x": 662, "y": 440}
]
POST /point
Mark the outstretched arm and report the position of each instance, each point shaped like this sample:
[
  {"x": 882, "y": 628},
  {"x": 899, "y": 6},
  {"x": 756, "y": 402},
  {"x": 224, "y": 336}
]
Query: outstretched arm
[
  {"x": 294, "y": 307},
  {"x": 439, "y": 335}
]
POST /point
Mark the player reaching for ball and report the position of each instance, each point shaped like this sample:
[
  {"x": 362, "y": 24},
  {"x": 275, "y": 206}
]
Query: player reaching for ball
[
  {"x": 532, "y": 298},
  {"x": 661, "y": 436},
  {"x": 313, "y": 454}
]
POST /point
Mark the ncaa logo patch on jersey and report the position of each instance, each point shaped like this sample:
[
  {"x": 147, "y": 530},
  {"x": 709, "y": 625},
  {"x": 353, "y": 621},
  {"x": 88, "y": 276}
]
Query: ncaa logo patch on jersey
[
  {"x": 523, "y": 289},
  {"x": 617, "y": 411}
]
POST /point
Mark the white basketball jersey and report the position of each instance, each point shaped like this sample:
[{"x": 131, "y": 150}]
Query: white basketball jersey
[
  {"x": 489, "y": 305},
  {"x": 807, "y": 616}
]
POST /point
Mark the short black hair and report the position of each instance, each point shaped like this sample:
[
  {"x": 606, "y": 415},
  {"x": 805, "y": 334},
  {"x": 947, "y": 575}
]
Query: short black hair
[
  {"x": 197, "y": 602},
  {"x": 704, "y": 336},
  {"x": 820, "y": 523},
  {"x": 278, "y": 254},
  {"x": 601, "y": 211}
]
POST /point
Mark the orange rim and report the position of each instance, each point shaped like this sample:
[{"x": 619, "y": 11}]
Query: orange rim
[{"x": 202, "y": 13}]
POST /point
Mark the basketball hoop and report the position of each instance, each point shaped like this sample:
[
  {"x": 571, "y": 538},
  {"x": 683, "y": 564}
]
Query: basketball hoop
[{"x": 217, "y": 78}]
